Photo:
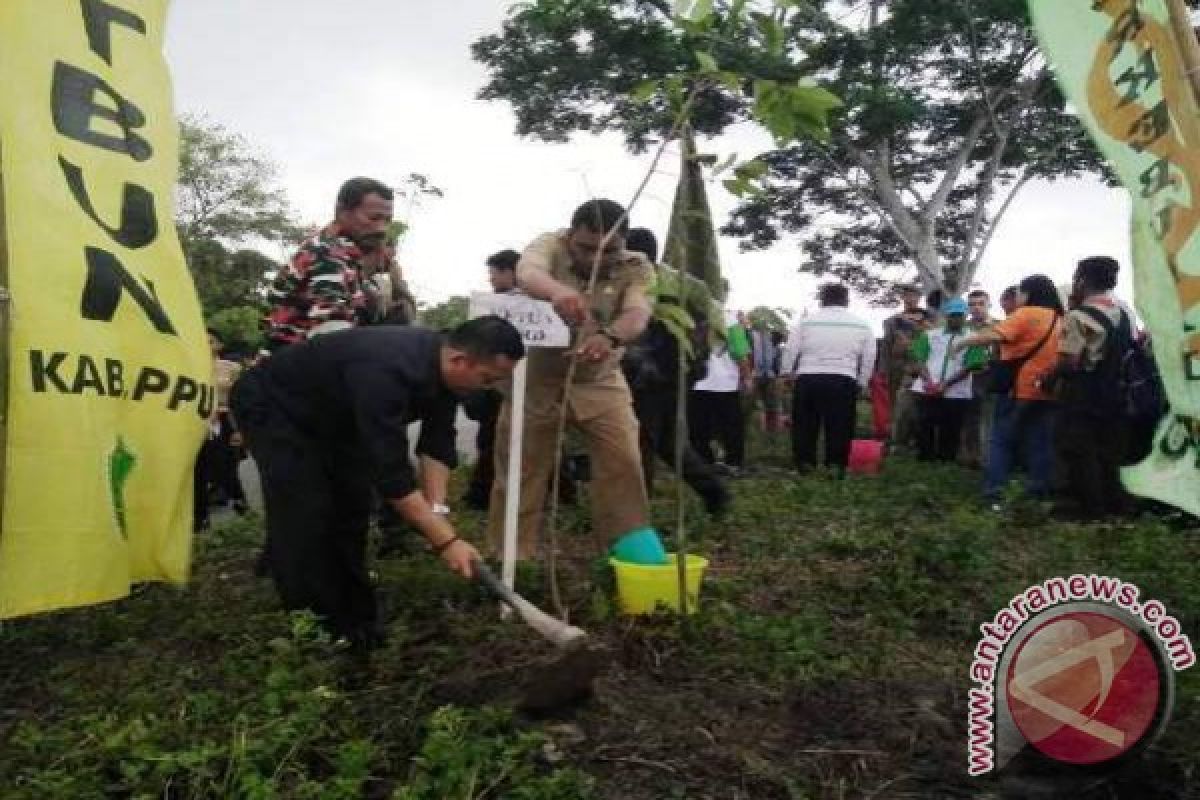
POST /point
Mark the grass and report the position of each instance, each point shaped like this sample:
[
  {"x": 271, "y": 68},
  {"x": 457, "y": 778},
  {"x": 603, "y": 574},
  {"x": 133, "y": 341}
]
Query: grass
[{"x": 829, "y": 660}]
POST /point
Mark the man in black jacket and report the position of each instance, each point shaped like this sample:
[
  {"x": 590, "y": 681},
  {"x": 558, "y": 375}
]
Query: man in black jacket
[
  {"x": 326, "y": 418},
  {"x": 651, "y": 367}
]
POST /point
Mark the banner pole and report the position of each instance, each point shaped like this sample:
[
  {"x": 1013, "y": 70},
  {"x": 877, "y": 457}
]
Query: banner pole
[
  {"x": 1185, "y": 36},
  {"x": 5, "y": 343}
]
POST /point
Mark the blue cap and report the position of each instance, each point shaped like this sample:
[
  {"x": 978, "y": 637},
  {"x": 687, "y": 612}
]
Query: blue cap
[{"x": 955, "y": 306}]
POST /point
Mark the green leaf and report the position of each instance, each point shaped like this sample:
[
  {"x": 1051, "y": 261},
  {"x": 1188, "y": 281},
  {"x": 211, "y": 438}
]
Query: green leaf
[
  {"x": 772, "y": 32},
  {"x": 752, "y": 170},
  {"x": 730, "y": 80},
  {"x": 674, "y": 87},
  {"x": 737, "y": 187},
  {"x": 708, "y": 64},
  {"x": 728, "y": 162},
  {"x": 644, "y": 91},
  {"x": 701, "y": 10},
  {"x": 669, "y": 312},
  {"x": 791, "y": 111}
]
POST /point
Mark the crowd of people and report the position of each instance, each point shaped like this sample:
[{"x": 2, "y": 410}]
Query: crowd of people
[{"x": 326, "y": 413}]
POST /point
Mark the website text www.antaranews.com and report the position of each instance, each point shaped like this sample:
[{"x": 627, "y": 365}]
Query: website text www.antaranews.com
[{"x": 1034, "y": 600}]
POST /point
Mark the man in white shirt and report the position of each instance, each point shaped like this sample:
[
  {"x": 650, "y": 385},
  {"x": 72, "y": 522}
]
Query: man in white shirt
[
  {"x": 830, "y": 355},
  {"x": 945, "y": 389},
  {"x": 715, "y": 410}
]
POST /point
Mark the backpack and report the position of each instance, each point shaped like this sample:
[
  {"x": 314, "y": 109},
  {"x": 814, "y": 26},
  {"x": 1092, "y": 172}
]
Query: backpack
[{"x": 1126, "y": 382}]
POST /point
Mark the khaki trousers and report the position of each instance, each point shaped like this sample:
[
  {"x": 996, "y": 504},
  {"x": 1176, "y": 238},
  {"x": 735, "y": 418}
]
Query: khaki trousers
[{"x": 603, "y": 413}]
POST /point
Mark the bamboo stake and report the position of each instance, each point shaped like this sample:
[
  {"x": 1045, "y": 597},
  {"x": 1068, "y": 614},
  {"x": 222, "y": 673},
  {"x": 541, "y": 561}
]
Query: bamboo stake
[
  {"x": 1185, "y": 36},
  {"x": 681, "y": 427}
]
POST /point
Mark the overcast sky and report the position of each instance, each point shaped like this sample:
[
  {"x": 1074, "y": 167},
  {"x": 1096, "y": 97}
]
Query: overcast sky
[{"x": 386, "y": 88}]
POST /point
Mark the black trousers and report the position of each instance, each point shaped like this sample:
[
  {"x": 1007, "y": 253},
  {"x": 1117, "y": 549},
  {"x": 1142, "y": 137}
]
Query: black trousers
[
  {"x": 1090, "y": 448},
  {"x": 217, "y": 467},
  {"x": 823, "y": 404},
  {"x": 486, "y": 411},
  {"x": 202, "y": 472},
  {"x": 939, "y": 430},
  {"x": 318, "y": 505},
  {"x": 657, "y": 415},
  {"x": 717, "y": 416}
]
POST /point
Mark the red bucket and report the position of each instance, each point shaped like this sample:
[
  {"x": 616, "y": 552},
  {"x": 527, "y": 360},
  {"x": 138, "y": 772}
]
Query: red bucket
[{"x": 866, "y": 457}]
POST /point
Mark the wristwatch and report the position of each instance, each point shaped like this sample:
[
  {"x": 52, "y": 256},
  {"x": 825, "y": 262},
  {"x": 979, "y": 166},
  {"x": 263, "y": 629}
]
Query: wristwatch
[{"x": 439, "y": 508}]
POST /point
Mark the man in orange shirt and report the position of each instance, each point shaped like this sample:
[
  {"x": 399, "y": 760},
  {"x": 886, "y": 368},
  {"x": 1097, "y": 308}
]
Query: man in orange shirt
[{"x": 1024, "y": 413}]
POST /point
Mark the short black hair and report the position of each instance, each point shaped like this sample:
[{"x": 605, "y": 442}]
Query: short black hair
[
  {"x": 1040, "y": 291},
  {"x": 833, "y": 294},
  {"x": 355, "y": 190},
  {"x": 486, "y": 338},
  {"x": 642, "y": 240},
  {"x": 978, "y": 293},
  {"x": 935, "y": 300},
  {"x": 1098, "y": 273},
  {"x": 1011, "y": 291},
  {"x": 600, "y": 216},
  {"x": 213, "y": 333},
  {"x": 505, "y": 260}
]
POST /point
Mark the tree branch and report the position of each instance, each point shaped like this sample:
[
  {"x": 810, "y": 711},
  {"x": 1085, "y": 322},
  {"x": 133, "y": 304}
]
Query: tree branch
[
  {"x": 988, "y": 179},
  {"x": 977, "y": 258},
  {"x": 954, "y": 168},
  {"x": 888, "y": 204}
]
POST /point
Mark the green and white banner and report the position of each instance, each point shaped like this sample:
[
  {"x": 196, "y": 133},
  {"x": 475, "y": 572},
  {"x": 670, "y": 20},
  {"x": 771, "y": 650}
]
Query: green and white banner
[{"x": 1122, "y": 67}]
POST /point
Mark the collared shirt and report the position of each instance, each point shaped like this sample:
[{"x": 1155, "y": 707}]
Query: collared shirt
[
  {"x": 831, "y": 341},
  {"x": 328, "y": 285},
  {"x": 1083, "y": 336},
  {"x": 619, "y": 287},
  {"x": 356, "y": 391},
  {"x": 935, "y": 349}
]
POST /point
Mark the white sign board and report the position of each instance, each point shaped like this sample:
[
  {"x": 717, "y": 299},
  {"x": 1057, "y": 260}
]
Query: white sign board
[{"x": 537, "y": 320}]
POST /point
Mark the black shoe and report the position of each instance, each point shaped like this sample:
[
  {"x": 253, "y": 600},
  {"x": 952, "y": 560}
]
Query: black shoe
[
  {"x": 367, "y": 637},
  {"x": 718, "y": 504}
]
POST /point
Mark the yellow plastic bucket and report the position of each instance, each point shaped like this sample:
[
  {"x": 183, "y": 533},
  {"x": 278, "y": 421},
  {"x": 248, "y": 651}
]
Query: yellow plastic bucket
[{"x": 642, "y": 588}]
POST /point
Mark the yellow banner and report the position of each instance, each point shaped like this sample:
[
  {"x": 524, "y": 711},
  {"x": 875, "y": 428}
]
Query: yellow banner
[
  {"x": 109, "y": 374},
  {"x": 1122, "y": 67}
]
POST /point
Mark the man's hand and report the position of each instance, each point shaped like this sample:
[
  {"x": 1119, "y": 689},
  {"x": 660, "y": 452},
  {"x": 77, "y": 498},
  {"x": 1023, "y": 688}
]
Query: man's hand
[
  {"x": 596, "y": 347},
  {"x": 460, "y": 557},
  {"x": 570, "y": 306}
]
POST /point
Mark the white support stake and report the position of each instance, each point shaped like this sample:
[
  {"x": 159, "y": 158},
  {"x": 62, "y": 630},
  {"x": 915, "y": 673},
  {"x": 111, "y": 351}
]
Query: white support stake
[
  {"x": 512, "y": 497},
  {"x": 540, "y": 326}
]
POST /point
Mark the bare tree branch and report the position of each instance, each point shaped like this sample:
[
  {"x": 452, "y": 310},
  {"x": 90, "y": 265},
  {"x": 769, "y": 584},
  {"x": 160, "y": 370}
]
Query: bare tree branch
[{"x": 993, "y": 224}]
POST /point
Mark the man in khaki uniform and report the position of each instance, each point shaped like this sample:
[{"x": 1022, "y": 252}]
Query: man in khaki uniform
[{"x": 555, "y": 268}]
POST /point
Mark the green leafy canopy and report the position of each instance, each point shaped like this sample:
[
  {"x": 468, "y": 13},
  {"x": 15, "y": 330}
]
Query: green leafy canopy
[{"x": 940, "y": 110}]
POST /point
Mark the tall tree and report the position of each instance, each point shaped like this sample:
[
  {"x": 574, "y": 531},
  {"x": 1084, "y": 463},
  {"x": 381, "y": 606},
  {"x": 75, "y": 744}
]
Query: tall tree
[
  {"x": 450, "y": 313},
  {"x": 950, "y": 111},
  {"x": 226, "y": 190},
  {"x": 227, "y": 202},
  {"x": 227, "y": 278}
]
